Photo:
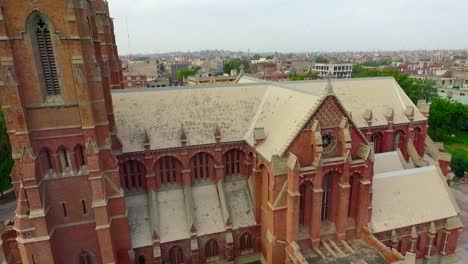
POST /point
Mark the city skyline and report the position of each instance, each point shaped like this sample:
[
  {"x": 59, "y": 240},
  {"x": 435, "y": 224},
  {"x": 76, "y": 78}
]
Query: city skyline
[{"x": 305, "y": 26}]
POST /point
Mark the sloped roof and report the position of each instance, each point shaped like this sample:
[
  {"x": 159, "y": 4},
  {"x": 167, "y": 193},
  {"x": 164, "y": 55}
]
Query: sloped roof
[
  {"x": 162, "y": 112},
  {"x": 358, "y": 95},
  {"x": 409, "y": 197},
  {"x": 281, "y": 109}
]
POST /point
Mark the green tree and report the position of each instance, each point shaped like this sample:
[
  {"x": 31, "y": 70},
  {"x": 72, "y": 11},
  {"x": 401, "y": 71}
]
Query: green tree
[
  {"x": 446, "y": 117},
  {"x": 6, "y": 163},
  {"x": 182, "y": 74},
  {"x": 377, "y": 63},
  {"x": 235, "y": 64},
  {"x": 306, "y": 76}
]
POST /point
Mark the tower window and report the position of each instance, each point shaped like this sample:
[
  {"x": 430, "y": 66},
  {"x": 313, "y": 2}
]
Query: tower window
[
  {"x": 83, "y": 205},
  {"x": 46, "y": 57},
  {"x": 64, "y": 208}
]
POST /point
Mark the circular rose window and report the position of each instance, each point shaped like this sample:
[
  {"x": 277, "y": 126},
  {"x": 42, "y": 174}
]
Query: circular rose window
[{"x": 328, "y": 141}]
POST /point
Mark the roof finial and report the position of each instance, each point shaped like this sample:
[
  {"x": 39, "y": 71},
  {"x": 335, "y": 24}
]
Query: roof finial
[
  {"x": 329, "y": 87},
  {"x": 183, "y": 135}
]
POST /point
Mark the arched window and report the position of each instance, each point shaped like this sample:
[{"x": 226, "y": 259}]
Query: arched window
[
  {"x": 398, "y": 140},
  {"x": 79, "y": 154},
  {"x": 202, "y": 166},
  {"x": 326, "y": 195},
  {"x": 232, "y": 161},
  {"x": 211, "y": 248},
  {"x": 45, "y": 55},
  {"x": 168, "y": 170},
  {"x": 85, "y": 258},
  {"x": 132, "y": 174},
  {"x": 377, "y": 139},
  {"x": 246, "y": 241},
  {"x": 64, "y": 158},
  {"x": 46, "y": 162},
  {"x": 176, "y": 255}
]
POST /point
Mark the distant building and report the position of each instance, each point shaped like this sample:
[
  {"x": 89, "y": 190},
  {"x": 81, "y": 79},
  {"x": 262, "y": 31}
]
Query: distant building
[
  {"x": 210, "y": 66},
  {"x": 454, "y": 85},
  {"x": 301, "y": 66},
  {"x": 338, "y": 71},
  {"x": 175, "y": 67},
  {"x": 159, "y": 82},
  {"x": 135, "y": 81},
  {"x": 201, "y": 80}
]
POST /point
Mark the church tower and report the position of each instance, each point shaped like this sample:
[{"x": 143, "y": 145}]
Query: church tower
[{"x": 58, "y": 64}]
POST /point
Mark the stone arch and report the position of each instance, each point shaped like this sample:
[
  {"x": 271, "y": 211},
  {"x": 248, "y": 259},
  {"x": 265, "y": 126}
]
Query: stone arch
[
  {"x": 176, "y": 255},
  {"x": 233, "y": 161},
  {"x": 85, "y": 257},
  {"x": 211, "y": 248},
  {"x": 141, "y": 259},
  {"x": 378, "y": 139},
  {"x": 168, "y": 170},
  {"x": 398, "y": 140},
  {"x": 246, "y": 241},
  {"x": 132, "y": 175},
  {"x": 202, "y": 166}
]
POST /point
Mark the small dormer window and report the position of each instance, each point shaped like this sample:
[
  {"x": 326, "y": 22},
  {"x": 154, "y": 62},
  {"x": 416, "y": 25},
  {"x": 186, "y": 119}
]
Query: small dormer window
[{"x": 46, "y": 57}]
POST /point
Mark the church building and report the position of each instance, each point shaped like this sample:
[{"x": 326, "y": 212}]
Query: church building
[{"x": 319, "y": 171}]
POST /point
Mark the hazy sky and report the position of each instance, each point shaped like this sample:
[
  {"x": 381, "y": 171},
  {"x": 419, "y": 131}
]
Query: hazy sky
[{"x": 294, "y": 25}]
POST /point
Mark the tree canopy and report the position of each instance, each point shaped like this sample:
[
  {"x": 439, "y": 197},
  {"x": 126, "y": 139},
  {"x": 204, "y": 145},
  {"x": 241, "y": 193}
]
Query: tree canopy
[
  {"x": 235, "y": 64},
  {"x": 294, "y": 76},
  {"x": 446, "y": 118},
  {"x": 377, "y": 63},
  {"x": 6, "y": 163},
  {"x": 182, "y": 74},
  {"x": 416, "y": 89}
]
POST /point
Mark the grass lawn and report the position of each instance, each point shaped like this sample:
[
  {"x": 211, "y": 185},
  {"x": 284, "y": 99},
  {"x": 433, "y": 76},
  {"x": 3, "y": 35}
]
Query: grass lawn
[{"x": 458, "y": 145}]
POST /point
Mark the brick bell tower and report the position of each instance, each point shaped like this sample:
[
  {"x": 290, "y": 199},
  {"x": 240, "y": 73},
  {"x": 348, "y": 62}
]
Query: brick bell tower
[{"x": 58, "y": 63}]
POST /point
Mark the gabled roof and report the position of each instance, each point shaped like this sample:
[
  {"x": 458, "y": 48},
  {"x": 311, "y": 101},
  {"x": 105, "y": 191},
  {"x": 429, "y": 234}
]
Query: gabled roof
[
  {"x": 361, "y": 94},
  {"x": 409, "y": 197},
  {"x": 281, "y": 109}
]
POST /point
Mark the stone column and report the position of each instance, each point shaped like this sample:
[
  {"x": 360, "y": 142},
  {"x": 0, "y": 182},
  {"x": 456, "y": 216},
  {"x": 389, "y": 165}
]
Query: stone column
[
  {"x": 362, "y": 206},
  {"x": 342, "y": 213},
  {"x": 293, "y": 199},
  {"x": 315, "y": 219}
]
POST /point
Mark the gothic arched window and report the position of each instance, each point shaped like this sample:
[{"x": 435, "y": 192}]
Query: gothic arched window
[
  {"x": 176, "y": 255},
  {"x": 245, "y": 241},
  {"x": 46, "y": 58},
  {"x": 202, "y": 165},
  {"x": 232, "y": 161},
  {"x": 211, "y": 248},
  {"x": 85, "y": 258},
  {"x": 168, "y": 169}
]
